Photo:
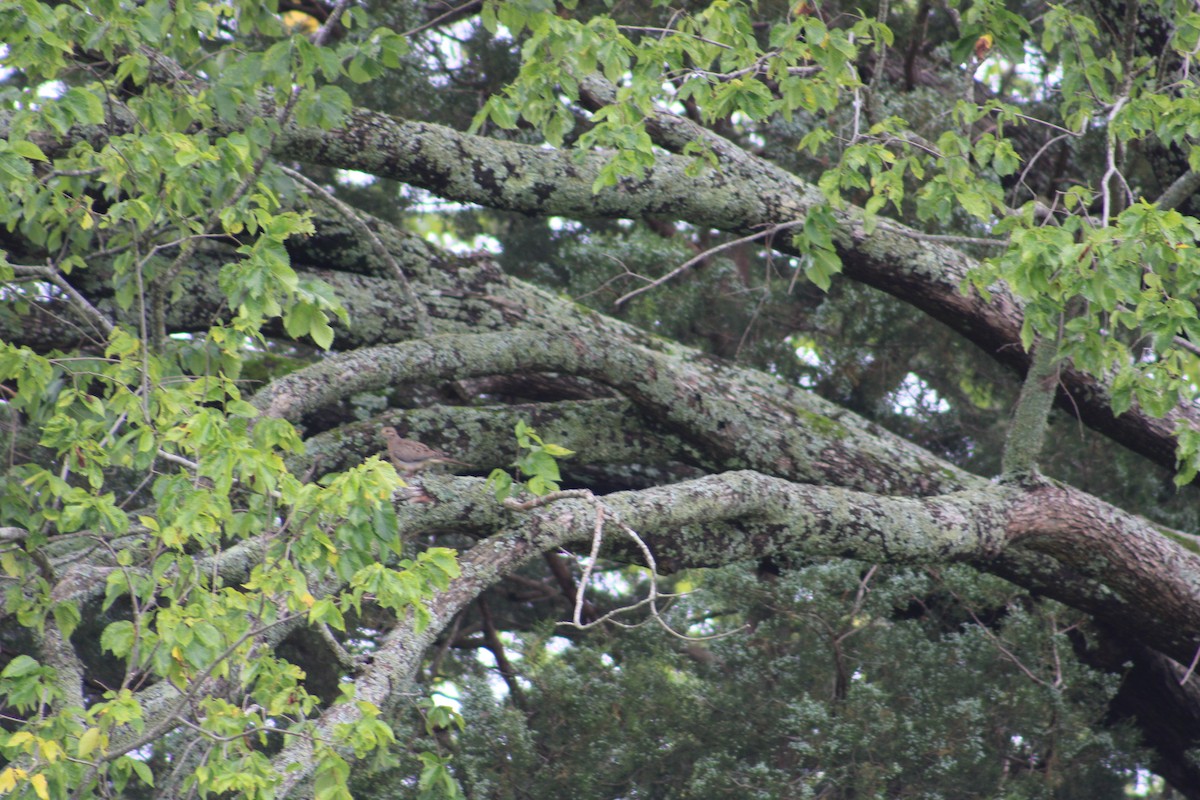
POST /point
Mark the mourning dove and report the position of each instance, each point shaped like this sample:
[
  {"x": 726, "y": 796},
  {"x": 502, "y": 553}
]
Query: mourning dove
[{"x": 409, "y": 456}]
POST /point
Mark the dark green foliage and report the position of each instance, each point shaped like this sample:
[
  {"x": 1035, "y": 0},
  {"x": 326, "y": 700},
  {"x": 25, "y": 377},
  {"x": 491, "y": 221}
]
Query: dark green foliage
[
  {"x": 894, "y": 694},
  {"x": 825, "y": 680}
]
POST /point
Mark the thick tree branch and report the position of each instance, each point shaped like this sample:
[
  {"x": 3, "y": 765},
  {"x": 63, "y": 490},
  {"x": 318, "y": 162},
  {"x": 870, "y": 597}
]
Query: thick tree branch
[
  {"x": 615, "y": 432},
  {"x": 746, "y": 197},
  {"x": 743, "y": 199},
  {"x": 1027, "y": 432},
  {"x": 738, "y": 417},
  {"x": 722, "y": 519}
]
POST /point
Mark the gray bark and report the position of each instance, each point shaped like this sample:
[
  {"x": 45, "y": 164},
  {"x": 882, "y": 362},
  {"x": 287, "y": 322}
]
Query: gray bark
[{"x": 775, "y": 471}]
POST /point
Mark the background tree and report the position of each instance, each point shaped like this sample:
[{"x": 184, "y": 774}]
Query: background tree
[{"x": 797, "y": 284}]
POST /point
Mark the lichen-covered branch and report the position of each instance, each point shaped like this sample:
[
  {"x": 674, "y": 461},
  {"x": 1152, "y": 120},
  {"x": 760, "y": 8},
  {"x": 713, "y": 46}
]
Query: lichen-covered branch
[
  {"x": 1133, "y": 581},
  {"x": 741, "y": 200},
  {"x": 730, "y": 413},
  {"x": 1027, "y": 433}
]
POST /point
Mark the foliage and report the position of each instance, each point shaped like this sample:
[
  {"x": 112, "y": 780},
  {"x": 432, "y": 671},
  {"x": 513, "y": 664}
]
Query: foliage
[
  {"x": 539, "y": 464},
  {"x": 808, "y": 697},
  {"x": 171, "y": 410},
  {"x": 1112, "y": 261},
  {"x": 171, "y": 537}
]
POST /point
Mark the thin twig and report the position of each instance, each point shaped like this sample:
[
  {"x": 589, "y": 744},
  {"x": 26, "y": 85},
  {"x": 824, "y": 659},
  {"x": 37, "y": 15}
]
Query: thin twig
[
  {"x": 604, "y": 513},
  {"x": 1191, "y": 668},
  {"x": 1038, "y": 121},
  {"x": 51, "y": 274},
  {"x": 1028, "y": 166},
  {"x": 873, "y": 102},
  {"x": 1110, "y": 163},
  {"x": 444, "y": 15},
  {"x": 692, "y": 261},
  {"x": 647, "y": 29},
  {"x": 943, "y": 238},
  {"x": 995, "y": 640},
  {"x": 357, "y": 221}
]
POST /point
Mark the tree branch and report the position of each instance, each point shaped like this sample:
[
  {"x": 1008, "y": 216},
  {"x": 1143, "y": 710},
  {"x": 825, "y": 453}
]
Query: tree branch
[
  {"x": 1027, "y": 432},
  {"x": 735, "y": 516},
  {"x": 738, "y": 417},
  {"x": 742, "y": 198}
]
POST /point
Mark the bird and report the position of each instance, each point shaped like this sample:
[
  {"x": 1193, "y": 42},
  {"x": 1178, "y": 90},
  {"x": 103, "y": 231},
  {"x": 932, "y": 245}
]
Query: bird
[{"x": 409, "y": 456}]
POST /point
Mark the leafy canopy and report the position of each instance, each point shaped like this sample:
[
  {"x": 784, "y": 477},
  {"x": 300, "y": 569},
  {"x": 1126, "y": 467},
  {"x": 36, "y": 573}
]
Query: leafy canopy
[
  {"x": 193, "y": 96},
  {"x": 201, "y": 91},
  {"x": 1107, "y": 272}
]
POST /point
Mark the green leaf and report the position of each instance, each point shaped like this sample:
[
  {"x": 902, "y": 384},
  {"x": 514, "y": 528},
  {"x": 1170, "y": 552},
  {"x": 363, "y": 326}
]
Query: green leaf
[
  {"x": 118, "y": 638},
  {"x": 85, "y": 107},
  {"x": 501, "y": 483},
  {"x": 20, "y": 667},
  {"x": 240, "y": 408},
  {"x": 67, "y": 617},
  {"x": 444, "y": 559},
  {"x": 14, "y": 169},
  {"x": 821, "y": 266},
  {"x": 142, "y": 769},
  {"x": 27, "y": 149},
  {"x": 321, "y": 333}
]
